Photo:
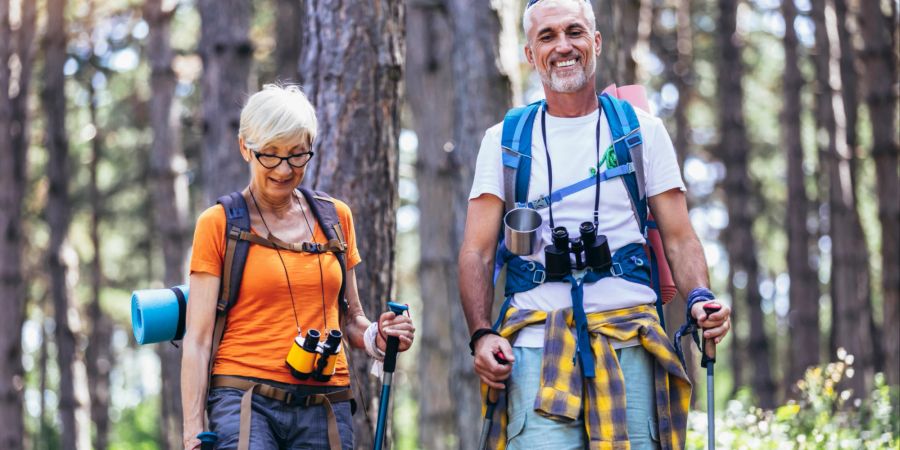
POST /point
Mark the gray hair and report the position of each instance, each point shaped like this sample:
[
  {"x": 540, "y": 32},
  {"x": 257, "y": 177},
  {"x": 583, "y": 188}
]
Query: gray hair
[
  {"x": 277, "y": 113},
  {"x": 586, "y": 8}
]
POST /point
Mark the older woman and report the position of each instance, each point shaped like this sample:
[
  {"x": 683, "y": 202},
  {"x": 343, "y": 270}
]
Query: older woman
[{"x": 286, "y": 291}]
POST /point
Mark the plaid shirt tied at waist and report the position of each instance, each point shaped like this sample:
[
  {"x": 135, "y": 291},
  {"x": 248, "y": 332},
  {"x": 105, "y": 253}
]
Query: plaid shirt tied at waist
[{"x": 564, "y": 392}]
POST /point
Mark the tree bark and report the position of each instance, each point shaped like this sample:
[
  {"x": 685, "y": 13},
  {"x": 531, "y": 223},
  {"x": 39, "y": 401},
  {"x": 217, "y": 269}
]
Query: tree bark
[
  {"x": 99, "y": 351},
  {"x": 683, "y": 72},
  {"x": 227, "y": 55},
  {"x": 804, "y": 288},
  {"x": 353, "y": 63},
  {"x": 429, "y": 92},
  {"x": 169, "y": 198},
  {"x": 289, "y": 42},
  {"x": 734, "y": 149},
  {"x": 880, "y": 76},
  {"x": 482, "y": 96},
  {"x": 13, "y": 181},
  {"x": 851, "y": 312},
  {"x": 621, "y": 24},
  {"x": 58, "y": 213},
  {"x": 12, "y": 289}
]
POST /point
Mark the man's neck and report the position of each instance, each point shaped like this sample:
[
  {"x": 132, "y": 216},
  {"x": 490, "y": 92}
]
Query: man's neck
[{"x": 572, "y": 104}]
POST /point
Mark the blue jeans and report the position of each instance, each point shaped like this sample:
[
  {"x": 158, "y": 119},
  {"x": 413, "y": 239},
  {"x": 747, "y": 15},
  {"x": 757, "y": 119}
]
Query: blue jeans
[
  {"x": 274, "y": 424},
  {"x": 528, "y": 430}
]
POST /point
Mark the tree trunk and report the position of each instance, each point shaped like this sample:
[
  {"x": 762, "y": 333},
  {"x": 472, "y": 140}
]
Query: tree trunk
[
  {"x": 621, "y": 23},
  {"x": 851, "y": 312},
  {"x": 738, "y": 348},
  {"x": 734, "y": 149},
  {"x": 58, "y": 213},
  {"x": 289, "y": 42},
  {"x": 13, "y": 181},
  {"x": 170, "y": 197},
  {"x": 804, "y": 288},
  {"x": 683, "y": 77},
  {"x": 99, "y": 351},
  {"x": 227, "y": 57},
  {"x": 429, "y": 91},
  {"x": 607, "y": 63},
  {"x": 482, "y": 94},
  {"x": 356, "y": 92},
  {"x": 881, "y": 97}
]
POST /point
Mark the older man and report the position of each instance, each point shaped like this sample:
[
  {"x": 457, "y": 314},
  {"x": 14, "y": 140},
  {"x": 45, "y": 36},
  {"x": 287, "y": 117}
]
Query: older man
[{"x": 591, "y": 366}]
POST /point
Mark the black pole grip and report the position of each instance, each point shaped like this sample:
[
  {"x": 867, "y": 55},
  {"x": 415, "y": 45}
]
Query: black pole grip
[
  {"x": 390, "y": 354},
  {"x": 709, "y": 345}
]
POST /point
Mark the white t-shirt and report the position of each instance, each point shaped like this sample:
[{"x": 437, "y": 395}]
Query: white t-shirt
[{"x": 573, "y": 152}]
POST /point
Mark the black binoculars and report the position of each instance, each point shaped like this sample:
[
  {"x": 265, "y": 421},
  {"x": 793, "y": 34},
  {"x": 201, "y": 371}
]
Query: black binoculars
[
  {"x": 310, "y": 358},
  {"x": 591, "y": 251}
]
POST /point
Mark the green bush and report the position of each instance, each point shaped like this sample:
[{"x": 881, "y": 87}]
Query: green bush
[{"x": 823, "y": 417}]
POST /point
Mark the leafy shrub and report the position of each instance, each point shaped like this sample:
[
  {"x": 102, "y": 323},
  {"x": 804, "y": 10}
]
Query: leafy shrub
[{"x": 823, "y": 417}]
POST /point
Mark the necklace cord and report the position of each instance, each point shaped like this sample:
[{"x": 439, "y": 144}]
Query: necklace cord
[{"x": 283, "y": 265}]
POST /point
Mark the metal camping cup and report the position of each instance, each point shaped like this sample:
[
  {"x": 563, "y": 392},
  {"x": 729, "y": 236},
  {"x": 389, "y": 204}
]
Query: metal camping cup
[{"x": 521, "y": 231}]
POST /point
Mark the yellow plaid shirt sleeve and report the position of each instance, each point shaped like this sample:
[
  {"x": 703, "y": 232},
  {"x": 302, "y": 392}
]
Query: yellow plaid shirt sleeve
[{"x": 565, "y": 395}]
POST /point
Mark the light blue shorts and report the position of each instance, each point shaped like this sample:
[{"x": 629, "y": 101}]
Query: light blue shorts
[{"x": 528, "y": 430}]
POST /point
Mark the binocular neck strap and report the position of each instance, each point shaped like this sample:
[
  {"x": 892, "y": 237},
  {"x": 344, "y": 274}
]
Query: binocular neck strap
[{"x": 596, "y": 216}]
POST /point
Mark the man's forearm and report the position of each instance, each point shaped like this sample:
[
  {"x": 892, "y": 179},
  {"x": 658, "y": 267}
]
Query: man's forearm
[
  {"x": 476, "y": 289},
  {"x": 688, "y": 264}
]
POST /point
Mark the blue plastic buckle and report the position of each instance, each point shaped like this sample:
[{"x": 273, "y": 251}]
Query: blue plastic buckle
[
  {"x": 616, "y": 270},
  {"x": 539, "y": 277},
  {"x": 541, "y": 203}
]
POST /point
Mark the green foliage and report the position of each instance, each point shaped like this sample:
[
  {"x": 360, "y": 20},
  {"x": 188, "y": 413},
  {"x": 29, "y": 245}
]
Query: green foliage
[
  {"x": 137, "y": 428},
  {"x": 822, "y": 417}
]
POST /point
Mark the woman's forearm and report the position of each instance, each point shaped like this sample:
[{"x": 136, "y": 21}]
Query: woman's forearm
[
  {"x": 194, "y": 379},
  {"x": 355, "y": 327}
]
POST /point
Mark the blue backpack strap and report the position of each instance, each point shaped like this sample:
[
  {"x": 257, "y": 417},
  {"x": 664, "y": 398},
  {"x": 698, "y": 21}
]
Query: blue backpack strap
[
  {"x": 515, "y": 143},
  {"x": 237, "y": 219},
  {"x": 628, "y": 145},
  {"x": 322, "y": 206}
]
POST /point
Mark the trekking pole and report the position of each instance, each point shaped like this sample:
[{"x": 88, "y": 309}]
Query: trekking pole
[
  {"x": 492, "y": 397},
  {"x": 208, "y": 440},
  {"x": 709, "y": 361},
  {"x": 390, "y": 363}
]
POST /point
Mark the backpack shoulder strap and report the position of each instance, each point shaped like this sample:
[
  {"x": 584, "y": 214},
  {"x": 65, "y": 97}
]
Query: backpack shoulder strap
[
  {"x": 515, "y": 143},
  {"x": 237, "y": 219},
  {"x": 325, "y": 212},
  {"x": 628, "y": 145}
]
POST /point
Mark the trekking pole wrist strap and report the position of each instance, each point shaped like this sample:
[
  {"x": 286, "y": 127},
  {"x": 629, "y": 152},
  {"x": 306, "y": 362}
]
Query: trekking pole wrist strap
[
  {"x": 478, "y": 334},
  {"x": 698, "y": 294}
]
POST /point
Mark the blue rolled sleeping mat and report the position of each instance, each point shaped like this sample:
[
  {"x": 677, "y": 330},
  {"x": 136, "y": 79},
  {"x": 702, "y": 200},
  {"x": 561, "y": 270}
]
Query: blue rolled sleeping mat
[{"x": 157, "y": 315}]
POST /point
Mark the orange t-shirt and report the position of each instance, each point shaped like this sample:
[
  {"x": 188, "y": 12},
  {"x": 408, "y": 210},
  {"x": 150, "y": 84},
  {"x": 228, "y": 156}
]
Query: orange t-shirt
[{"x": 261, "y": 328}]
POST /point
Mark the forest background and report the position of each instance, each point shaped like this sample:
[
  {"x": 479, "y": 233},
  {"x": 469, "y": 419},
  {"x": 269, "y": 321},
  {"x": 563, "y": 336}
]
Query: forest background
[{"x": 118, "y": 123}]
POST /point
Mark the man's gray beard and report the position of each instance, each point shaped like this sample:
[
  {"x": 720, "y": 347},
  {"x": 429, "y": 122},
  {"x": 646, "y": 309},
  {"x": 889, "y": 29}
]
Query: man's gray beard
[{"x": 570, "y": 84}]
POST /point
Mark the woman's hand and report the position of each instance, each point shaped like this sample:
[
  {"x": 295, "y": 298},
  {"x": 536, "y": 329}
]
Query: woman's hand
[{"x": 390, "y": 324}]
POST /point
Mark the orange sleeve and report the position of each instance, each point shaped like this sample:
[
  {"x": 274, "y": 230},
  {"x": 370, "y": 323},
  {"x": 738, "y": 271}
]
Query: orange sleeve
[
  {"x": 346, "y": 218},
  {"x": 208, "y": 251}
]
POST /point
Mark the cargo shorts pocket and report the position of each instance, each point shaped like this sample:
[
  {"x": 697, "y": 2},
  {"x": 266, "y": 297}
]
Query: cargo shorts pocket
[{"x": 515, "y": 427}]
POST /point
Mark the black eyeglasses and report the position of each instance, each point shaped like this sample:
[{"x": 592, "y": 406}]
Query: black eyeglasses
[{"x": 296, "y": 160}]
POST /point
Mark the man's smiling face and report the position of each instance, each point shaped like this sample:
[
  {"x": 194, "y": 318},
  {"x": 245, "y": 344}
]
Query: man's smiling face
[{"x": 562, "y": 47}]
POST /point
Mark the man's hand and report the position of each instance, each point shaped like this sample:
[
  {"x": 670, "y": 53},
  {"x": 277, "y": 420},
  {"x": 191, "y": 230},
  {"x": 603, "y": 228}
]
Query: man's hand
[
  {"x": 492, "y": 372},
  {"x": 715, "y": 325}
]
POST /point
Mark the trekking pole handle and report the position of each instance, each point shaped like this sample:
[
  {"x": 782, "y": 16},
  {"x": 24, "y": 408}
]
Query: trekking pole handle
[
  {"x": 492, "y": 393},
  {"x": 208, "y": 440},
  {"x": 393, "y": 342},
  {"x": 709, "y": 345}
]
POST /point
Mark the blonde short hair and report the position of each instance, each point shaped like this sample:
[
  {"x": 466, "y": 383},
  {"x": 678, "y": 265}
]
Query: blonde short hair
[{"x": 277, "y": 113}]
